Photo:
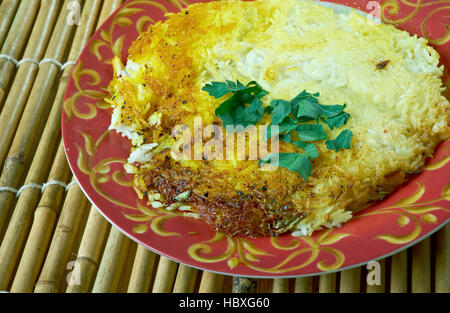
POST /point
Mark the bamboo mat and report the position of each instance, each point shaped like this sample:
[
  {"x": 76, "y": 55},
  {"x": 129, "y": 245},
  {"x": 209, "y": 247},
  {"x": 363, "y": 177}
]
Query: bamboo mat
[{"x": 53, "y": 240}]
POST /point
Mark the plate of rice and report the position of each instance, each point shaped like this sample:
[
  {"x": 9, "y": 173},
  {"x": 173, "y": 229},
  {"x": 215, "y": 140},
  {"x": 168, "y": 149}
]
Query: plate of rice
[{"x": 346, "y": 102}]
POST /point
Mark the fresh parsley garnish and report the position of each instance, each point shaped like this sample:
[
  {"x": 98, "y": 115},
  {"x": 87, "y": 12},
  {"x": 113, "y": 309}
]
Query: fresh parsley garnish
[
  {"x": 244, "y": 107},
  {"x": 311, "y": 132},
  {"x": 295, "y": 162},
  {"x": 342, "y": 141},
  {"x": 338, "y": 120},
  {"x": 310, "y": 148},
  {"x": 286, "y": 126},
  {"x": 299, "y": 118},
  {"x": 281, "y": 109}
]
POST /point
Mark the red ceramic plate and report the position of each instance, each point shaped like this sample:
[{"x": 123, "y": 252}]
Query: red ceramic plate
[{"x": 96, "y": 157}]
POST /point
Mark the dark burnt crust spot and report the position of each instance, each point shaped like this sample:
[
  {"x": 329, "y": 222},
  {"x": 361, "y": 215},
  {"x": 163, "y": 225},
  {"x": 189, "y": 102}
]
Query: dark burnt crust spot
[
  {"x": 244, "y": 217},
  {"x": 234, "y": 216},
  {"x": 382, "y": 64},
  {"x": 252, "y": 214}
]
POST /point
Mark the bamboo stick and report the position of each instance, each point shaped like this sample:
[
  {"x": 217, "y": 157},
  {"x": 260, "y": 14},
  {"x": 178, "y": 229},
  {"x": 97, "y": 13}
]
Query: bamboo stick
[
  {"x": 165, "y": 275},
  {"x": 442, "y": 267},
  {"x": 186, "y": 278},
  {"x": 16, "y": 41},
  {"x": 303, "y": 285},
  {"x": 350, "y": 280},
  {"x": 39, "y": 236},
  {"x": 21, "y": 219},
  {"x": 7, "y": 11},
  {"x": 89, "y": 253},
  {"x": 88, "y": 18},
  {"x": 112, "y": 263},
  {"x": 110, "y": 2},
  {"x": 327, "y": 283},
  {"x": 211, "y": 282},
  {"x": 280, "y": 285},
  {"x": 227, "y": 286},
  {"x": 24, "y": 78},
  {"x": 124, "y": 281},
  {"x": 72, "y": 269},
  {"x": 108, "y": 8},
  {"x": 34, "y": 115},
  {"x": 381, "y": 287},
  {"x": 399, "y": 272},
  {"x": 243, "y": 285},
  {"x": 143, "y": 270},
  {"x": 421, "y": 267},
  {"x": 264, "y": 285},
  {"x": 62, "y": 243}
]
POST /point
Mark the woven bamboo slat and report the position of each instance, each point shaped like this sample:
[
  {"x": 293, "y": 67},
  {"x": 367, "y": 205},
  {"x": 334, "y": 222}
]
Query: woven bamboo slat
[
  {"x": 124, "y": 281},
  {"x": 186, "y": 278},
  {"x": 39, "y": 237},
  {"x": 71, "y": 274},
  {"x": 421, "y": 263},
  {"x": 211, "y": 282},
  {"x": 112, "y": 264},
  {"x": 35, "y": 113},
  {"x": 327, "y": 283},
  {"x": 442, "y": 268},
  {"x": 16, "y": 41},
  {"x": 165, "y": 276},
  {"x": 263, "y": 285},
  {"x": 399, "y": 272},
  {"x": 350, "y": 280},
  {"x": 62, "y": 242},
  {"x": 280, "y": 285},
  {"x": 243, "y": 285},
  {"x": 143, "y": 271},
  {"x": 109, "y": 6},
  {"x": 227, "y": 285},
  {"x": 7, "y": 11},
  {"x": 89, "y": 253},
  {"x": 21, "y": 218},
  {"x": 303, "y": 285},
  {"x": 26, "y": 74}
]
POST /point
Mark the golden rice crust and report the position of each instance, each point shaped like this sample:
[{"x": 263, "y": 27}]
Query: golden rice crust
[{"x": 398, "y": 114}]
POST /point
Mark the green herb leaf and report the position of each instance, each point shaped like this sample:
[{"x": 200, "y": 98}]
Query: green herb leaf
[
  {"x": 342, "y": 141},
  {"x": 286, "y": 137},
  {"x": 311, "y": 132},
  {"x": 302, "y": 98},
  {"x": 245, "y": 108},
  {"x": 295, "y": 162},
  {"x": 306, "y": 107},
  {"x": 235, "y": 111},
  {"x": 332, "y": 110},
  {"x": 250, "y": 115},
  {"x": 337, "y": 121},
  {"x": 220, "y": 89},
  {"x": 226, "y": 111},
  {"x": 286, "y": 126},
  {"x": 310, "y": 148},
  {"x": 282, "y": 109}
]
